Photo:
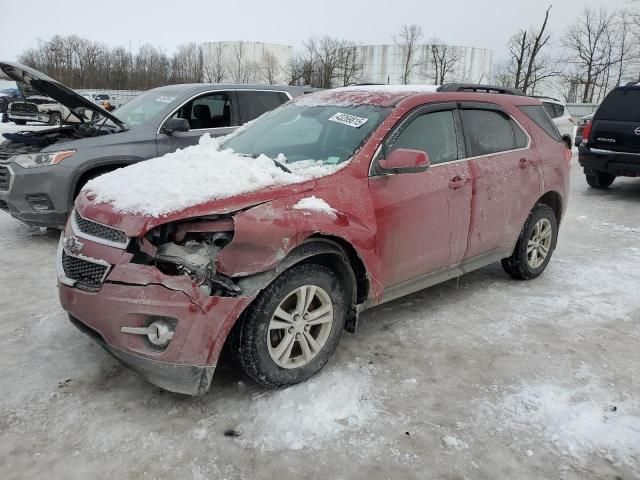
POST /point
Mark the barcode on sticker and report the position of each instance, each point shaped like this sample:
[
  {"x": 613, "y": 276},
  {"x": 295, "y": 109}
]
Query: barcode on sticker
[{"x": 346, "y": 119}]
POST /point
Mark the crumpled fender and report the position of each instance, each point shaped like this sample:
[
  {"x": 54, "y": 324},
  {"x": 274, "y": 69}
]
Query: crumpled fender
[{"x": 266, "y": 234}]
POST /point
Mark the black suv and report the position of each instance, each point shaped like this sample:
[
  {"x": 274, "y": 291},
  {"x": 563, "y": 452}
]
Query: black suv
[{"x": 610, "y": 146}]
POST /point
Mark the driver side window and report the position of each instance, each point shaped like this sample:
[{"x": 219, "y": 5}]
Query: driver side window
[
  {"x": 434, "y": 133},
  {"x": 208, "y": 111}
]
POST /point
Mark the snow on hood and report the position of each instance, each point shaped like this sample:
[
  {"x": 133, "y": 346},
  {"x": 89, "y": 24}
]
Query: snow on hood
[{"x": 195, "y": 175}]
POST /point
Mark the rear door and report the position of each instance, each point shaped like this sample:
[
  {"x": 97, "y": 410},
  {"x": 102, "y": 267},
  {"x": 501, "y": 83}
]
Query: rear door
[
  {"x": 616, "y": 124},
  {"x": 506, "y": 176},
  {"x": 254, "y": 103},
  {"x": 215, "y": 113}
]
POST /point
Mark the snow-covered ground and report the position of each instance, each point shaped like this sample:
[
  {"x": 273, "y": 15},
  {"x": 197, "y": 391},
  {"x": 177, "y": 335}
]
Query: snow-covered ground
[{"x": 480, "y": 378}]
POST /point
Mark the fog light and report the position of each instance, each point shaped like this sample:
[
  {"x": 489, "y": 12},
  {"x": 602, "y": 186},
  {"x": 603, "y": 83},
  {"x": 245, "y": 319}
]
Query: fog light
[
  {"x": 159, "y": 330},
  {"x": 40, "y": 202}
]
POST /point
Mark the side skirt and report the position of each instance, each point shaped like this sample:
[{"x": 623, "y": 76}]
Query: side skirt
[{"x": 425, "y": 281}]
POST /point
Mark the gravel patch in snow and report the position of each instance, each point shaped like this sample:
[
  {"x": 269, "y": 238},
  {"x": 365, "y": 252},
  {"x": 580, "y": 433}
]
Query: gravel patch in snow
[
  {"x": 315, "y": 204},
  {"x": 311, "y": 414}
]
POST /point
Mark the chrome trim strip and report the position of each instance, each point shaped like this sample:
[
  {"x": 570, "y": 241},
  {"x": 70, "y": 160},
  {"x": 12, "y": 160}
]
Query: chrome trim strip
[
  {"x": 62, "y": 277},
  {"x": 611, "y": 152},
  {"x": 79, "y": 233},
  {"x": 216, "y": 91}
]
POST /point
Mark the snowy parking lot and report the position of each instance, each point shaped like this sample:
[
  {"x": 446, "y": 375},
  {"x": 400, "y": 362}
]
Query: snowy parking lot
[{"x": 483, "y": 377}]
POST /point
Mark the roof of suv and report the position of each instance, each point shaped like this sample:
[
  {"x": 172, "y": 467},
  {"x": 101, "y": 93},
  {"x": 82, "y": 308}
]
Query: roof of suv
[
  {"x": 391, "y": 95},
  {"x": 185, "y": 87}
]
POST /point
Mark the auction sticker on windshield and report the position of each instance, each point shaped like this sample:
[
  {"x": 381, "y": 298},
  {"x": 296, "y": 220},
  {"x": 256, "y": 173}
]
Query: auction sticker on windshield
[{"x": 350, "y": 120}]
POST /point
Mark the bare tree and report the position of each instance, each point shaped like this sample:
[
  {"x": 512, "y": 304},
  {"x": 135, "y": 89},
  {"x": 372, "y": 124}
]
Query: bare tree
[
  {"x": 445, "y": 59},
  {"x": 350, "y": 63},
  {"x": 187, "y": 64},
  {"x": 528, "y": 65},
  {"x": 215, "y": 65},
  {"x": 270, "y": 68},
  {"x": 407, "y": 40},
  {"x": 588, "y": 41}
]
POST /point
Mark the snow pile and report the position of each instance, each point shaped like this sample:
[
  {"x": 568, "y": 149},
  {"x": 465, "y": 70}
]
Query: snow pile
[
  {"x": 315, "y": 204},
  {"x": 310, "y": 414},
  {"x": 192, "y": 176},
  {"x": 580, "y": 422}
]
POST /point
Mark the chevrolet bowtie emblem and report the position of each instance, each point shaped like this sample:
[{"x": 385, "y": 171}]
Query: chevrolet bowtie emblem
[{"x": 72, "y": 245}]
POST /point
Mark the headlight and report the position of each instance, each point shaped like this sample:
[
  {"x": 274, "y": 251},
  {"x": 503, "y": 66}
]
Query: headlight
[{"x": 41, "y": 159}]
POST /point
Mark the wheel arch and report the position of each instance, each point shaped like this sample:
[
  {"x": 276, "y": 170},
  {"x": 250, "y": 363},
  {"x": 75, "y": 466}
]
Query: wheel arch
[
  {"x": 99, "y": 168},
  {"x": 553, "y": 199}
]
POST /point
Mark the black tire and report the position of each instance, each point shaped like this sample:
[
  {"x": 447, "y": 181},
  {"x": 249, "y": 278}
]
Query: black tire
[
  {"x": 55, "y": 119},
  {"x": 19, "y": 122},
  {"x": 600, "y": 180},
  {"x": 517, "y": 265},
  {"x": 249, "y": 340}
]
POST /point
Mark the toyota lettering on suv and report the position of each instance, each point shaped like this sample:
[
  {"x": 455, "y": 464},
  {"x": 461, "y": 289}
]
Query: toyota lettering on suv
[{"x": 275, "y": 240}]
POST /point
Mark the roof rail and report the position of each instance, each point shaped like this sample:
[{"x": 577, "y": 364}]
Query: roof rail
[
  {"x": 547, "y": 97},
  {"x": 632, "y": 84},
  {"x": 478, "y": 88}
]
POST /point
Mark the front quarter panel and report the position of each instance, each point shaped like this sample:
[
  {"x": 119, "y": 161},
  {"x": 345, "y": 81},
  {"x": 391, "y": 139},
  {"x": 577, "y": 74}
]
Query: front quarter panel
[{"x": 266, "y": 234}]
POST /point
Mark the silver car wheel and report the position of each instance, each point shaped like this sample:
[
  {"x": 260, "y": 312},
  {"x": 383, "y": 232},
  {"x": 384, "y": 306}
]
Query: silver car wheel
[
  {"x": 300, "y": 326},
  {"x": 539, "y": 243}
]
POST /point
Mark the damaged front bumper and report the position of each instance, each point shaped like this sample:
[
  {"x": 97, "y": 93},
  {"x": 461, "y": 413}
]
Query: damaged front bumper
[{"x": 131, "y": 297}]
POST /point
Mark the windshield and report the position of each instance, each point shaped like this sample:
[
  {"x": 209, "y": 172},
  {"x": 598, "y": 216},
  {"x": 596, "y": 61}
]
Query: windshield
[
  {"x": 327, "y": 133},
  {"x": 144, "y": 107}
]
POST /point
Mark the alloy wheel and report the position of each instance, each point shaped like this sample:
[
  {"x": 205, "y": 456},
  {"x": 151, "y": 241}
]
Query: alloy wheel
[
  {"x": 300, "y": 326},
  {"x": 539, "y": 243}
]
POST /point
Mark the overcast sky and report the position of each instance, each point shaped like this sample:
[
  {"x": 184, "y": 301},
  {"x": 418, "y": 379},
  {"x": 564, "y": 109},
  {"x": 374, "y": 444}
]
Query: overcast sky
[{"x": 486, "y": 23}]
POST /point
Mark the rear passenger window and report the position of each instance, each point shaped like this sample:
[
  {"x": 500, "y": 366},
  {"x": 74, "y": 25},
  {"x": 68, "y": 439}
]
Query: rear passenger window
[
  {"x": 521, "y": 138},
  {"x": 542, "y": 119},
  {"x": 434, "y": 133},
  {"x": 487, "y": 132},
  {"x": 253, "y": 104}
]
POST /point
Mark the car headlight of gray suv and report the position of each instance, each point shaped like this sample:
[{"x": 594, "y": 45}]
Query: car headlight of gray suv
[{"x": 42, "y": 159}]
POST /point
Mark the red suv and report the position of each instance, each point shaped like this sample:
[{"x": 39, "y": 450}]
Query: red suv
[{"x": 274, "y": 240}]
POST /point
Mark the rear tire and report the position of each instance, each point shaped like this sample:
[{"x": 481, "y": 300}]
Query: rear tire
[
  {"x": 281, "y": 349},
  {"x": 535, "y": 245},
  {"x": 600, "y": 180}
]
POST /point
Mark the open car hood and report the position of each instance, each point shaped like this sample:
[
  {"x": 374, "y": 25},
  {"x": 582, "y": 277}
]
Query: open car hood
[{"x": 49, "y": 87}]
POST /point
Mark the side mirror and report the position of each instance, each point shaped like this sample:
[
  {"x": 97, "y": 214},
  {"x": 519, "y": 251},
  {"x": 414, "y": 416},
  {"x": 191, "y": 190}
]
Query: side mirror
[
  {"x": 176, "y": 125},
  {"x": 404, "y": 160}
]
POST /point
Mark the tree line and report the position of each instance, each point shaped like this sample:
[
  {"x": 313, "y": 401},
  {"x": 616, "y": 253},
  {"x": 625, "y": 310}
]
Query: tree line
[{"x": 598, "y": 51}]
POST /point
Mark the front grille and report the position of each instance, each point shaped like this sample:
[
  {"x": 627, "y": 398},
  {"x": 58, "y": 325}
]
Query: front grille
[
  {"x": 5, "y": 178},
  {"x": 6, "y": 155},
  {"x": 87, "y": 274},
  {"x": 98, "y": 230},
  {"x": 24, "y": 107}
]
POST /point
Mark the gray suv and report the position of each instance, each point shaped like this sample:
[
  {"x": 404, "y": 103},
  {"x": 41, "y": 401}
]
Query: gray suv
[{"x": 42, "y": 172}]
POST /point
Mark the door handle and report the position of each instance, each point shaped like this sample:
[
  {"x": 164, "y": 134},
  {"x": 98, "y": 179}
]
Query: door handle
[
  {"x": 525, "y": 162},
  {"x": 457, "y": 182}
]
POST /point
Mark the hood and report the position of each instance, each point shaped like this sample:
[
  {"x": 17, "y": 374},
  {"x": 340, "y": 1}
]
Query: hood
[
  {"x": 45, "y": 85},
  {"x": 136, "y": 225}
]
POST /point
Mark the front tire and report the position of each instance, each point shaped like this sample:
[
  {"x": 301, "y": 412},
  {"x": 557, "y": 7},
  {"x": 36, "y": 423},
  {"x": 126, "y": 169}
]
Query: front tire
[
  {"x": 535, "y": 245},
  {"x": 600, "y": 180},
  {"x": 293, "y": 327},
  {"x": 20, "y": 122}
]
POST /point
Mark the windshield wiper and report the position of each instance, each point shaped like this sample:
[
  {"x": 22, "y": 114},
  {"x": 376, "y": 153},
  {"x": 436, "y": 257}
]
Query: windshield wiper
[{"x": 281, "y": 166}]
